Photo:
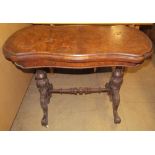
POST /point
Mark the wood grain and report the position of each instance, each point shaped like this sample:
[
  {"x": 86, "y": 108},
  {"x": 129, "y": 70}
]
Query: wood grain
[{"x": 77, "y": 46}]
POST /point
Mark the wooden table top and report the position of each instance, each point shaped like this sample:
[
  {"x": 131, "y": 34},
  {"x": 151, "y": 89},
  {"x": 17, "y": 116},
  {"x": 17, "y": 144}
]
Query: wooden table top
[{"x": 77, "y": 46}]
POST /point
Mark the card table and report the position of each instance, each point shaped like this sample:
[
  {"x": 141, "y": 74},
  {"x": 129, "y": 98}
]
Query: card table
[{"x": 78, "y": 47}]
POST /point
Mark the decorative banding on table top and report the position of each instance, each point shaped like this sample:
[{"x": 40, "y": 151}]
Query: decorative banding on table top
[{"x": 77, "y": 46}]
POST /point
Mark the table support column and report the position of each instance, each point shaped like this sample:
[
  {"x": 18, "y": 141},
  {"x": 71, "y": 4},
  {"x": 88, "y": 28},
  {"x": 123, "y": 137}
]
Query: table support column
[
  {"x": 114, "y": 87},
  {"x": 45, "y": 88}
]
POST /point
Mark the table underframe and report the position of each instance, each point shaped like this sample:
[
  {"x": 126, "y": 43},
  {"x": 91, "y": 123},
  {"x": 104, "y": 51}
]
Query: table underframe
[{"x": 112, "y": 88}]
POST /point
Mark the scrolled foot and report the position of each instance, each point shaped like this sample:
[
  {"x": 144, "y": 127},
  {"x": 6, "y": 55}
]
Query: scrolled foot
[
  {"x": 117, "y": 119},
  {"x": 44, "y": 121}
]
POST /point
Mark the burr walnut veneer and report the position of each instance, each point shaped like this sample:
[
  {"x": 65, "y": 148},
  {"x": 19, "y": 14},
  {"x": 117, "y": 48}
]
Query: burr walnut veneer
[{"x": 78, "y": 46}]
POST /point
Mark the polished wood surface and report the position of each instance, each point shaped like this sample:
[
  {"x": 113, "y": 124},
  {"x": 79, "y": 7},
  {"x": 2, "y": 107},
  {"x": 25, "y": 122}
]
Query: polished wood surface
[{"x": 77, "y": 46}]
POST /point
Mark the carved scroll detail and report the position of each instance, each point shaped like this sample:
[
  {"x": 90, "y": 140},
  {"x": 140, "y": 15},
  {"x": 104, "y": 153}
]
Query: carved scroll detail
[
  {"x": 45, "y": 88},
  {"x": 114, "y": 88}
]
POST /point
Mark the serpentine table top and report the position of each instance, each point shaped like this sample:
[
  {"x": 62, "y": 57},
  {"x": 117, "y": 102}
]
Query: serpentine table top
[{"x": 78, "y": 46}]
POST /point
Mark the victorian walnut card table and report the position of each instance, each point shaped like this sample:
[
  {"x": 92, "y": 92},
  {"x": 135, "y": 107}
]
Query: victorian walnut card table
[{"x": 78, "y": 47}]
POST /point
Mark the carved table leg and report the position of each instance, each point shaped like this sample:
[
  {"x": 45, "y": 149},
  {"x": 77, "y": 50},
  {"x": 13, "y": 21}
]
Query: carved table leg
[
  {"x": 45, "y": 88},
  {"x": 114, "y": 87}
]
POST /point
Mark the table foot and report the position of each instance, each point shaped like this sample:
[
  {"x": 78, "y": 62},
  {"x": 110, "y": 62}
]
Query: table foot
[
  {"x": 114, "y": 88},
  {"x": 45, "y": 88},
  {"x": 116, "y": 101}
]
